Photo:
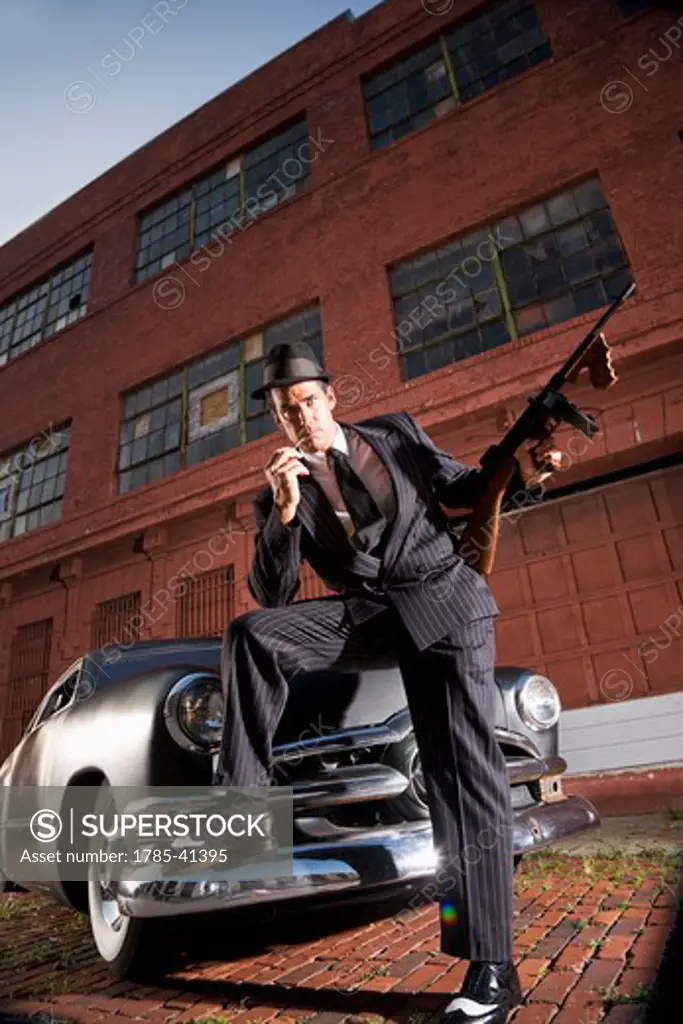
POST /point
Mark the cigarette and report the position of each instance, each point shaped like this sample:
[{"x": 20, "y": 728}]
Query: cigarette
[{"x": 302, "y": 455}]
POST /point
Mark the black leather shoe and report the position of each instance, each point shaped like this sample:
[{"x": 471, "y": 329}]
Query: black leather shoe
[{"x": 488, "y": 994}]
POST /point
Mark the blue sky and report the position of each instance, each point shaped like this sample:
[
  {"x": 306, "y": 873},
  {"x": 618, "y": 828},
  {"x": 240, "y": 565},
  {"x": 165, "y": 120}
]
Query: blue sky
[{"x": 86, "y": 82}]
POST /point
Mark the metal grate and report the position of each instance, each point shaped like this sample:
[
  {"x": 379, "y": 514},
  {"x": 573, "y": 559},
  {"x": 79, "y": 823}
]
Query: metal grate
[
  {"x": 29, "y": 679},
  {"x": 207, "y": 605},
  {"x": 116, "y": 620}
]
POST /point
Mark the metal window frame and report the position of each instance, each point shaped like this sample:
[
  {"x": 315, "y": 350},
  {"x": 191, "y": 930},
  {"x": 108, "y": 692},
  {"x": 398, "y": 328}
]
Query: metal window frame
[
  {"x": 184, "y": 371},
  {"x": 140, "y": 273},
  {"x": 16, "y": 299},
  {"x": 450, "y": 71},
  {"x": 17, "y": 475},
  {"x": 501, "y": 283},
  {"x": 184, "y": 414},
  {"x": 445, "y": 56}
]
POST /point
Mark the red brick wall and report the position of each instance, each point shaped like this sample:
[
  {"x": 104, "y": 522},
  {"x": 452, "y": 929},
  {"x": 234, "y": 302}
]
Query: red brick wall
[{"x": 331, "y": 245}]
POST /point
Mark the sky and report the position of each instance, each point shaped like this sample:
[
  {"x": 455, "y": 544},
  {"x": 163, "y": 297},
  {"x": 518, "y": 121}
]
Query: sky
[{"x": 84, "y": 83}]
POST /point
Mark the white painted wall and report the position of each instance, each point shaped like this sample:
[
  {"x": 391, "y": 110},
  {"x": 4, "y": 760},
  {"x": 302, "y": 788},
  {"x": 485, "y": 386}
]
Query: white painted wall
[{"x": 623, "y": 734}]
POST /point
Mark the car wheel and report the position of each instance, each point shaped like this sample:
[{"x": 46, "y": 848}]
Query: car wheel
[
  {"x": 130, "y": 947},
  {"x": 116, "y": 936},
  {"x": 411, "y": 804}
]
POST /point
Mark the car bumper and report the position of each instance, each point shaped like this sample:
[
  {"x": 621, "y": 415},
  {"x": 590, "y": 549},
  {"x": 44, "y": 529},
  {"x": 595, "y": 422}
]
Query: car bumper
[{"x": 369, "y": 859}]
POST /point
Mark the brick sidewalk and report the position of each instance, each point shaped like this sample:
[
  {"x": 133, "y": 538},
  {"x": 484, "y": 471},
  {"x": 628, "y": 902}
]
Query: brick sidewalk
[{"x": 590, "y": 933}]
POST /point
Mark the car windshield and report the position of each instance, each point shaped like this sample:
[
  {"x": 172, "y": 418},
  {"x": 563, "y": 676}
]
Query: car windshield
[{"x": 57, "y": 697}]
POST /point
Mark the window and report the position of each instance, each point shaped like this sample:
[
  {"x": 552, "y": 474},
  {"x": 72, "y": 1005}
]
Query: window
[
  {"x": 29, "y": 674},
  {"x": 112, "y": 621},
  {"x": 231, "y": 196},
  {"x": 476, "y": 56},
  {"x": 550, "y": 262},
  {"x": 61, "y": 696},
  {"x": 44, "y": 309},
  {"x": 32, "y": 483},
  {"x": 205, "y": 408},
  {"x": 207, "y": 606}
]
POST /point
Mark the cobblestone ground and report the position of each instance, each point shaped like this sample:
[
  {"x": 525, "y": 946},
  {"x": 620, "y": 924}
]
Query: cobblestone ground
[{"x": 590, "y": 936}]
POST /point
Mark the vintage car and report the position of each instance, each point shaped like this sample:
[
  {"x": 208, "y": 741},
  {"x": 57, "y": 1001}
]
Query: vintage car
[{"x": 150, "y": 714}]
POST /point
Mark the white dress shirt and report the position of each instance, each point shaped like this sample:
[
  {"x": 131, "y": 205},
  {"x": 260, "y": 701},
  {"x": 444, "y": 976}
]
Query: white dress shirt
[
  {"x": 370, "y": 469},
  {"x": 320, "y": 469}
]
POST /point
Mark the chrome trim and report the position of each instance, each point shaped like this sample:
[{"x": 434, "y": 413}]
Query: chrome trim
[
  {"x": 370, "y": 858},
  {"x": 170, "y": 711},
  {"x": 393, "y": 730},
  {"x": 357, "y": 783},
  {"x": 531, "y": 769},
  {"x": 517, "y": 739},
  {"x": 347, "y": 785}
]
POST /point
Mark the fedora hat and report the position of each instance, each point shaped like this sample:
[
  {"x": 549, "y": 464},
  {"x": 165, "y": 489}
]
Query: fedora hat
[{"x": 290, "y": 364}]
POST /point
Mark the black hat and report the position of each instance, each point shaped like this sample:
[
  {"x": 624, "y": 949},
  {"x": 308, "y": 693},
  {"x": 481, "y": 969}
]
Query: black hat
[{"x": 290, "y": 364}]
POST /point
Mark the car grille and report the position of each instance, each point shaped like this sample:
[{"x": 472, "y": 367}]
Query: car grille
[
  {"x": 334, "y": 776},
  {"x": 522, "y": 794}
]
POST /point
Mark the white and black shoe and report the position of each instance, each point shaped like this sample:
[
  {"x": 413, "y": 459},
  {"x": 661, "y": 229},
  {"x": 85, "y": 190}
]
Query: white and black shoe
[{"x": 490, "y": 991}]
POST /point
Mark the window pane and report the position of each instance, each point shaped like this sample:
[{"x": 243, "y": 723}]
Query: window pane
[
  {"x": 406, "y": 97},
  {"x": 456, "y": 313},
  {"x": 161, "y": 232},
  {"x": 556, "y": 263},
  {"x": 276, "y": 169},
  {"x": 148, "y": 431},
  {"x": 164, "y": 431},
  {"x": 564, "y": 264},
  {"x": 32, "y": 482},
  {"x": 45, "y": 308},
  {"x": 497, "y": 46}
]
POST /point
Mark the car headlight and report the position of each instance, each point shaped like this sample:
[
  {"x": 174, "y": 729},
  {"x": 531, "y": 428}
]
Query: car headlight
[
  {"x": 194, "y": 712},
  {"x": 538, "y": 703}
]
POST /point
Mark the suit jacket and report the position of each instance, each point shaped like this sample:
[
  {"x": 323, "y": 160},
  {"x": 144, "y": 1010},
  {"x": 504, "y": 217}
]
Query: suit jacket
[{"x": 420, "y": 573}]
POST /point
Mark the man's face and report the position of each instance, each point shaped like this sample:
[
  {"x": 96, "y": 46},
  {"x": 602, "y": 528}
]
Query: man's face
[{"x": 305, "y": 413}]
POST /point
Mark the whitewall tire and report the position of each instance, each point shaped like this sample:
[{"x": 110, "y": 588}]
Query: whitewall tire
[{"x": 130, "y": 947}]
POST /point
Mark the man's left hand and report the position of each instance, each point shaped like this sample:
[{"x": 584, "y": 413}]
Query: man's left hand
[{"x": 536, "y": 466}]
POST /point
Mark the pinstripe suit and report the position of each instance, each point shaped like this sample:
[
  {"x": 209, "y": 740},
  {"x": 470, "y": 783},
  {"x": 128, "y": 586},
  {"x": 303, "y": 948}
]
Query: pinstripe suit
[{"x": 420, "y": 602}]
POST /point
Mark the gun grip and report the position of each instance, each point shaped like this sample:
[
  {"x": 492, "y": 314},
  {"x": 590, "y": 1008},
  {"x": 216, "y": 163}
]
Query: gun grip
[
  {"x": 564, "y": 411},
  {"x": 582, "y": 421}
]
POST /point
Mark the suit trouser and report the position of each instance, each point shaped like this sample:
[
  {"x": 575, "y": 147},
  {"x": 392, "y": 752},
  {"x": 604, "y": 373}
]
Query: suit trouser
[{"x": 450, "y": 690}]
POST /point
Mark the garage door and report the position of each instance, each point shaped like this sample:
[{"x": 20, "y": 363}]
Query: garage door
[{"x": 590, "y": 588}]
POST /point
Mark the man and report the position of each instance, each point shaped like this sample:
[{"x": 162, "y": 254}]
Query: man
[{"x": 362, "y": 504}]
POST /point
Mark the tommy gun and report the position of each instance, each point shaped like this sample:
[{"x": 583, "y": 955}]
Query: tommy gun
[{"x": 543, "y": 415}]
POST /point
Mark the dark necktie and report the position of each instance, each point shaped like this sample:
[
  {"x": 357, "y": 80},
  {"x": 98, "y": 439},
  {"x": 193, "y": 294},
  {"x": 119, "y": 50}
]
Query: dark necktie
[{"x": 366, "y": 516}]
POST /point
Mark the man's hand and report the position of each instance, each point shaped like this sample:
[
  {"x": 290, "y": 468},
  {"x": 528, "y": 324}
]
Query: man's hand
[
  {"x": 536, "y": 466},
  {"x": 282, "y": 472}
]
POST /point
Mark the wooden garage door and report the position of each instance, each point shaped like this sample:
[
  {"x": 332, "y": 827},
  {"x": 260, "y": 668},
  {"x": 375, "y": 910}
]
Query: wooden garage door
[{"x": 590, "y": 589}]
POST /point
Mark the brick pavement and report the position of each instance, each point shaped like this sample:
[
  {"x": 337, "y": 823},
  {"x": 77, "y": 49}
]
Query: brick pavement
[{"x": 590, "y": 933}]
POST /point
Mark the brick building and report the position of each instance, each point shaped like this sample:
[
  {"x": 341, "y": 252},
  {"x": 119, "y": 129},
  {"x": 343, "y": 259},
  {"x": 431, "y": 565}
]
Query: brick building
[{"x": 442, "y": 201}]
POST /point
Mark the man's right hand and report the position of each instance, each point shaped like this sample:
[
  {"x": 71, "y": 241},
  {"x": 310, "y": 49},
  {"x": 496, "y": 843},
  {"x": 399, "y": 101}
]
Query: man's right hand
[{"x": 282, "y": 472}]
